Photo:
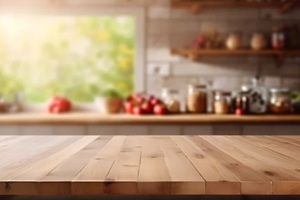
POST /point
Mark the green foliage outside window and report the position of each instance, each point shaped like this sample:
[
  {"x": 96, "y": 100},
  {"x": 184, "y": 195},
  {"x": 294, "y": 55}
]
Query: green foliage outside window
[{"x": 76, "y": 56}]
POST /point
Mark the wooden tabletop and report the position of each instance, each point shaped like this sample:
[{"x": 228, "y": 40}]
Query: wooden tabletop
[
  {"x": 160, "y": 165},
  {"x": 96, "y": 118}
]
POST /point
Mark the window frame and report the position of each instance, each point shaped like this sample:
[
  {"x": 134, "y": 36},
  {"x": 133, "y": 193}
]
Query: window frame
[{"x": 137, "y": 13}]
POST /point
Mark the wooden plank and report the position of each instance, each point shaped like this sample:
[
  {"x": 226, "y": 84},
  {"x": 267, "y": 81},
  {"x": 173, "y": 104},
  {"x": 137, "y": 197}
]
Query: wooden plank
[
  {"x": 156, "y": 165},
  {"x": 31, "y": 156},
  {"x": 218, "y": 179},
  {"x": 72, "y": 166},
  {"x": 14, "y": 150},
  {"x": 285, "y": 148},
  {"x": 291, "y": 139},
  {"x": 248, "y": 177},
  {"x": 272, "y": 164},
  {"x": 91, "y": 180},
  {"x": 29, "y": 180},
  {"x": 184, "y": 176},
  {"x": 123, "y": 176},
  {"x": 154, "y": 178}
]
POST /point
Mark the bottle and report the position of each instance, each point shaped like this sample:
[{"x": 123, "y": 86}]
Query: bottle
[{"x": 258, "y": 97}]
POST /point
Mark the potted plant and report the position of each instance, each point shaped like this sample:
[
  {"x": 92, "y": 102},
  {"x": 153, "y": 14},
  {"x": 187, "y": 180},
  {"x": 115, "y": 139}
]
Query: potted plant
[{"x": 109, "y": 101}]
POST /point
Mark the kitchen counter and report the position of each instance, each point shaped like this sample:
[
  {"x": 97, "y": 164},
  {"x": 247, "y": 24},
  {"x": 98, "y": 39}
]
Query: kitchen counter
[
  {"x": 158, "y": 165},
  {"x": 95, "y": 118}
]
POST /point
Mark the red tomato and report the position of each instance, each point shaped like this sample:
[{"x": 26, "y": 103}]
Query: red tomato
[
  {"x": 128, "y": 106},
  {"x": 147, "y": 107},
  {"x": 137, "y": 110},
  {"x": 239, "y": 111},
  {"x": 59, "y": 105},
  {"x": 160, "y": 109}
]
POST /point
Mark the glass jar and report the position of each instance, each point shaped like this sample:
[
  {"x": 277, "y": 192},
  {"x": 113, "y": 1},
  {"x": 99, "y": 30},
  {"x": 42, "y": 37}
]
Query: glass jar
[
  {"x": 278, "y": 39},
  {"x": 280, "y": 101},
  {"x": 221, "y": 102},
  {"x": 258, "y": 97},
  {"x": 258, "y": 41},
  {"x": 196, "y": 99},
  {"x": 171, "y": 100},
  {"x": 234, "y": 41},
  {"x": 242, "y": 102}
]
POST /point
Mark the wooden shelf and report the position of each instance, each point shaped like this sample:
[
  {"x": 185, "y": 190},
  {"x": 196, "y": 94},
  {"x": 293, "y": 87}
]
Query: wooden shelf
[
  {"x": 197, "y": 5},
  {"x": 196, "y": 53}
]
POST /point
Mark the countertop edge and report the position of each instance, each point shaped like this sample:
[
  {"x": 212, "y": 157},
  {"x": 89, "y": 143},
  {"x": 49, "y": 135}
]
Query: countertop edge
[{"x": 95, "y": 118}]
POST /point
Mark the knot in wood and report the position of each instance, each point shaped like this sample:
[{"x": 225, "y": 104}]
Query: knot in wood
[
  {"x": 269, "y": 173},
  {"x": 153, "y": 156},
  {"x": 197, "y": 155}
]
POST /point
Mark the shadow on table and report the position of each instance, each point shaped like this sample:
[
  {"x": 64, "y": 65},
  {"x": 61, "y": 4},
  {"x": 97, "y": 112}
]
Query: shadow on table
[{"x": 149, "y": 197}]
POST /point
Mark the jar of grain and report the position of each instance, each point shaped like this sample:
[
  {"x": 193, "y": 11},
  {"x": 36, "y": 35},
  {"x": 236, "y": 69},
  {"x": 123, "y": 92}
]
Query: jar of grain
[
  {"x": 196, "y": 99},
  {"x": 171, "y": 100},
  {"x": 222, "y": 102}
]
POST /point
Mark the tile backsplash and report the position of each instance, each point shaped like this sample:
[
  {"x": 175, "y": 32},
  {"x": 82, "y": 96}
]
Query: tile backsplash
[{"x": 169, "y": 27}]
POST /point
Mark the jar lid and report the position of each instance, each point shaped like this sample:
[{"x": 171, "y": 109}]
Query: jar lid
[
  {"x": 199, "y": 86},
  {"x": 279, "y": 90},
  {"x": 245, "y": 88},
  {"x": 222, "y": 92}
]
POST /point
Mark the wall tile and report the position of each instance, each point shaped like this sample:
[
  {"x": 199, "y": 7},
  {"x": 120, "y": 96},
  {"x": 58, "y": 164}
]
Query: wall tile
[
  {"x": 272, "y": 82},
  {"x": 158, "y": 41},
  {"x": 158, "y": 26},
  {"x": 161, "y": 54},
  {"x": 293, "y": 83},
  {"x": 159, "y": 12}
]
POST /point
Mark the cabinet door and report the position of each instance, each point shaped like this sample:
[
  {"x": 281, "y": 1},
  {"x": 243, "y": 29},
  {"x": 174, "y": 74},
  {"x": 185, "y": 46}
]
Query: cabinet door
[
  {"x": 36, "y": 130},
  {"x": 227, "y": 129},
  {"x": 131, "y": 130},
  {"x": 197, "y": 130},
  {"x": 9, "y": 130},
  {"x": 164, "y": 130},
  {"x": 69, "y": 130},
  {"x": 101, "y": 130}
]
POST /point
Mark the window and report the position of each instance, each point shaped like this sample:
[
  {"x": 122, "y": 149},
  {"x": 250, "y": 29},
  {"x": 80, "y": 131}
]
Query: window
[{"x": 78, "y": 56}]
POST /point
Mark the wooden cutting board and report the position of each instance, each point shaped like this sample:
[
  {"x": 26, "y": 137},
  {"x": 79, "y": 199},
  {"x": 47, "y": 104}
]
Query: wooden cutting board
[{"x": 158, "y": 165}]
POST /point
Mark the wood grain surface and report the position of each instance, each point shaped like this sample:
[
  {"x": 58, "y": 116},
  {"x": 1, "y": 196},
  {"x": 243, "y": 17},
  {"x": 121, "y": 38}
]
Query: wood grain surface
[
  {"x": 158, "y": 165},
  {"x": 97, "y": 118}
]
